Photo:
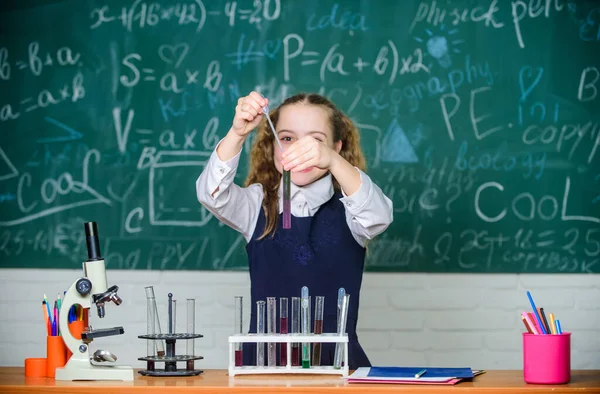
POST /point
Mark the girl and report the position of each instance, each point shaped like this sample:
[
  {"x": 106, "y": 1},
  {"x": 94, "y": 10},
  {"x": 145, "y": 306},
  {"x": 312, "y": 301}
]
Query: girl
[{"x": 336, "y": 208}]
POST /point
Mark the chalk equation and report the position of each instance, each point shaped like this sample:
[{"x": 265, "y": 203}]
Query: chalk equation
[{"x": 479, "y": 124}]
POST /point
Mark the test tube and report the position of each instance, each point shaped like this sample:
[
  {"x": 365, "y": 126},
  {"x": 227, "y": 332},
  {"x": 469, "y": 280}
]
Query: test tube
[
  {"x": 341, "y": 330},
  {"x": 174, "y": 308},
  {"x": 150, "y": 328},
  {"x": 295, "y": 330},
  {"x": 271, "y": 330},
  {"x": 170, "y": 312},
  {"x": 287, "y": 180},
  {"x": 287, "y": 204},
  {"x": 318, "y": 329},
  {"x": 191, "y": 324},
  {"x": 160, "y": 346},
  {"x": 305, "y": 327},
  {"x": 237, "y": 326},
  {"x": 341, "y": 293},
  {"x": 260, "y": 329},
  {"x": 283, "y": 329}
]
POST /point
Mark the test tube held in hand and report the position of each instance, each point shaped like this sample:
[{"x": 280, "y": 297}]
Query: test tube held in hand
[
  {"x": 260, "y": 329},
  {"x": 305, "y": 303},
  {"x": 283, "y": 329},
  {"x": 238, "y": 329},
  {"x": 318, "y": 329},
  {"x": 159, "y": 345},
  {"x": 295, "y": 330},
  {"x": 191, "y": 325},
  {"x": 271, "y": 330},
  {"x": 287, "y": 204},
  {"x": 341, "y": 330}
]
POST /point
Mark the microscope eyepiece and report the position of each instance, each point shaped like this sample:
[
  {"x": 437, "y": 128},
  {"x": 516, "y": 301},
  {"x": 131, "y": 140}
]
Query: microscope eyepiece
[{"x": 92, "y": 241}]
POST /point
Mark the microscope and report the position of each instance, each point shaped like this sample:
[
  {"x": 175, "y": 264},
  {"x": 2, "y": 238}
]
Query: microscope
[{"x": 85, "y": 291}]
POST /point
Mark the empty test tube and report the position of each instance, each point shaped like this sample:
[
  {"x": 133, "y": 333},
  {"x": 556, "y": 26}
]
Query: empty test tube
[
  {"x": 318, "y": 329},
  {"x": 191, "y": 329},
  {"x": 238, "y": 329},
  {"x": 295, "y": 330},
  {"x": 191, "y": 325},
  {"x": 260, "y": 329},
  {"x": 151, "y": 299},
  {"x": 271, "y": 330},
  {"x": 283, "y": 329},
  {"x": 341, "y": 330},
  {"x": 150, "y": 328}
]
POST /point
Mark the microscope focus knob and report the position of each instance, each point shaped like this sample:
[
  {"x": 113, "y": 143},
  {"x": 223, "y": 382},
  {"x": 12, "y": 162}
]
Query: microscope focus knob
[{"x": 83, "y": 286}]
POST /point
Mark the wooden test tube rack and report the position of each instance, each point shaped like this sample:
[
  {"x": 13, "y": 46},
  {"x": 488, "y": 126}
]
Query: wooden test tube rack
[{"x": 288, "y": 368}]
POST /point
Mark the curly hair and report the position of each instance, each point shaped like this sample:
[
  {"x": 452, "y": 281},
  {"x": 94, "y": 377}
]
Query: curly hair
[{"x": 263, "y": 170}]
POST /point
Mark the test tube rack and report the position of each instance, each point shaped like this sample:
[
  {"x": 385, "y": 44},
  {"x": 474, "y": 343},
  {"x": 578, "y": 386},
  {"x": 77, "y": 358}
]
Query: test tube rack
[
  {"x": 288, "y": 339},
  {"x": 170, "y": 359}
]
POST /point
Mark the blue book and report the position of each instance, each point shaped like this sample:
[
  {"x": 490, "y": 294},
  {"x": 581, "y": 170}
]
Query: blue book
[{"x": 409, "y": 372}]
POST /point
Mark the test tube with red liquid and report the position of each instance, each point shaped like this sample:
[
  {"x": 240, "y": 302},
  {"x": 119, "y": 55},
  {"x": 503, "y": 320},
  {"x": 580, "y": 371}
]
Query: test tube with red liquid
[
  {"x": 318, "y": 329},
  {"x": 283, "y": 329},
  {"x": 238, "y": 329}
]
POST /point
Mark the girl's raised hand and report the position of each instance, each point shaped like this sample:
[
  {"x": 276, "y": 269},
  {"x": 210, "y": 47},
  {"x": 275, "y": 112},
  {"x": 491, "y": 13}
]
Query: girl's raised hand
[
  {"x": 248, "y": 113},
  {"x": 307, "y": 152}
]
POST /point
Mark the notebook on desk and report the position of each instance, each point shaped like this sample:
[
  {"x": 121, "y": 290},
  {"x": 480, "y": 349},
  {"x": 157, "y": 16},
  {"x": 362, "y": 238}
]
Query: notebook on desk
[{"x": 406, "y": 375}]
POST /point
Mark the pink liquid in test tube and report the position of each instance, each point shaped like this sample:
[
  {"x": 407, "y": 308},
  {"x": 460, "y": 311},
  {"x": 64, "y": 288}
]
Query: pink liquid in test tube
[{"x": 283, "y": 329}]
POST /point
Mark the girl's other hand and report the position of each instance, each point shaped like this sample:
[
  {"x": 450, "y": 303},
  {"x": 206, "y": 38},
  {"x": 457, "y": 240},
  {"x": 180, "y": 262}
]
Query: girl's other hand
[
  {"x": 248, "y": 113},
  {"x": 305, "y": 153}
]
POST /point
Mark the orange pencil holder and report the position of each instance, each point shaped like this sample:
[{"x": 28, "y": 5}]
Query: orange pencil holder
[
  {"x": 35, "y": 367},
  {"x": 56, "y": 354},
  {"x": 76, "y": 327}
]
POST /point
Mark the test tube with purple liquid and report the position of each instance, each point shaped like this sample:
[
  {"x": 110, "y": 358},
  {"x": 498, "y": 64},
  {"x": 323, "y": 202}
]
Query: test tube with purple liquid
[{"x": 287, "y": 180}]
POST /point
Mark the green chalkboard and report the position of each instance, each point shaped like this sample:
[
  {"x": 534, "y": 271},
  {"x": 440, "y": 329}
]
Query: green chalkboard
[{"x": 479, "y": 119}]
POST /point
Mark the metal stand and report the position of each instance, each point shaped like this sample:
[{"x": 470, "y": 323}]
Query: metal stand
[
  {"x": 288, "y": 339},
  {"x": 170, "y": 359}
]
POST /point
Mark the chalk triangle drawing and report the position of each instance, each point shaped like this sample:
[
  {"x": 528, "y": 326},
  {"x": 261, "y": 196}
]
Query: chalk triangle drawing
[
  {"x": 7, "y": 169},
  {"x": 396, "y": 147},
  {"x": 70, "y": 135}
]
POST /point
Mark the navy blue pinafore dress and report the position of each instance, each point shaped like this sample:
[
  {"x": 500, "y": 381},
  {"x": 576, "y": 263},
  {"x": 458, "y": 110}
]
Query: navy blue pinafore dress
[{"x": 318, "y": 252}]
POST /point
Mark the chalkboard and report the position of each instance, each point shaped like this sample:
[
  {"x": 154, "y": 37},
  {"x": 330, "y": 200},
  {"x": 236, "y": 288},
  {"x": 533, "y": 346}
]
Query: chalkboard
[{"x": 479, "y": 119}]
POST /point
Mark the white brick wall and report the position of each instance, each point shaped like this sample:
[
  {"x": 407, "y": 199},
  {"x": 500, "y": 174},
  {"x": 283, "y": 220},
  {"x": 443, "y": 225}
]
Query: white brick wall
[{"x": 405, "y": 319}]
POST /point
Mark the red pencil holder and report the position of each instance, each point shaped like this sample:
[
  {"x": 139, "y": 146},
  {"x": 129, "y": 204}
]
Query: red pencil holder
[{"x": 547, "y": 358}]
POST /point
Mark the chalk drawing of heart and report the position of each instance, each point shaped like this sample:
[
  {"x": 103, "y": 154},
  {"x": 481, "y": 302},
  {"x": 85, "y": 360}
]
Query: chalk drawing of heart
[
  {"x": 173, "y": 53},
  {"x": 271, "y": 48}
]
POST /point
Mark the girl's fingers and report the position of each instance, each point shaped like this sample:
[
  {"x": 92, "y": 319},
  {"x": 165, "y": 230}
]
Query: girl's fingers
[
  {"x": 247, "y": 116},
  {"x": 300, "y": 160},
  {"x": 260, "y": 100},
  {"x": 293, "y": 152},
  {"x": 251, "y": 103},
  {"x": 248, "y": 107},
  {"x": 309, "y": 163},
  {"x": 289, "y": 152}
]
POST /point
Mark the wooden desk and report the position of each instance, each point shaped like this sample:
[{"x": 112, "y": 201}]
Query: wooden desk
[{"x": 12, "y": 380}]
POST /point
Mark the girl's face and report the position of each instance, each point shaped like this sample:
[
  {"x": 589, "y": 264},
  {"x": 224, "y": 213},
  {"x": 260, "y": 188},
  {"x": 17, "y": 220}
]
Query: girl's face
[{"x": 299, "y": 120}]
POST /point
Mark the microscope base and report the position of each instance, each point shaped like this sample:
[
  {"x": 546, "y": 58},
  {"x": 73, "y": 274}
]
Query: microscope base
[{"x": 78, "y": 369}]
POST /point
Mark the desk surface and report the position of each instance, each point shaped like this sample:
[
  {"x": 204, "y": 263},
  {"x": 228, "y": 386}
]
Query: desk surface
[{"x": 12, "y": 380}]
